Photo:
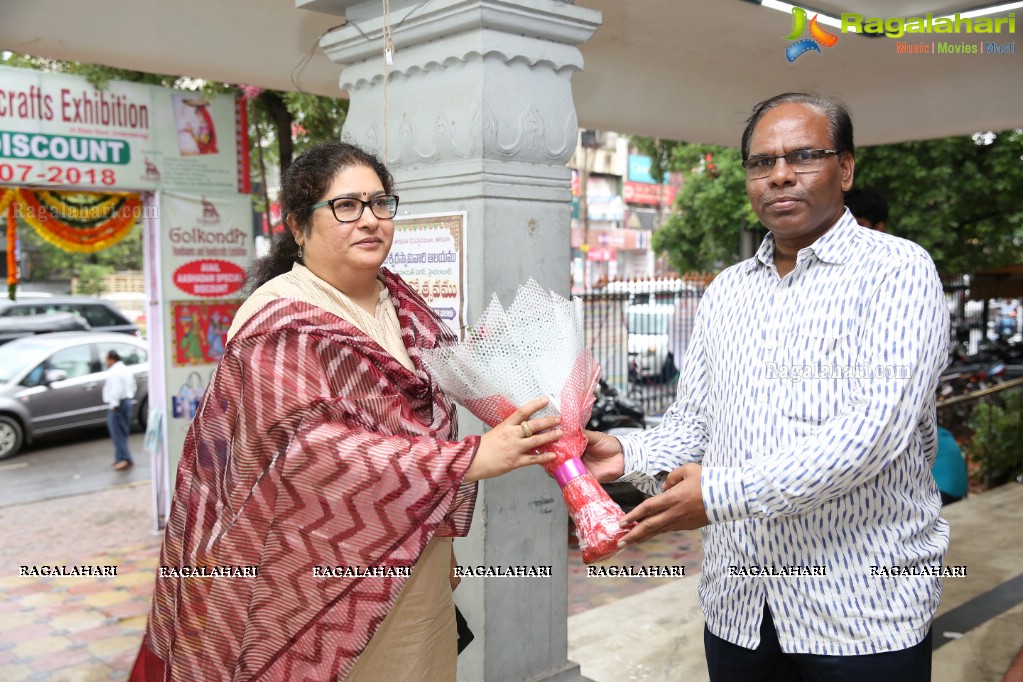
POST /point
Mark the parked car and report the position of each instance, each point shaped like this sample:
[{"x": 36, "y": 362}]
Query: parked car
[
  {"x": 101, "y": 315},
  {"x": 18, "y": 326},
  {"x": 54, "y": 382},
  {"x": 650, "y": 355}
]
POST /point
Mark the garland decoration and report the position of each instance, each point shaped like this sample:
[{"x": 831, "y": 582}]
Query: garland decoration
[
  {"x": 79, "y": 222},
  {"x": 12, "y": 246},
  {"x": 7, "y": 195}
]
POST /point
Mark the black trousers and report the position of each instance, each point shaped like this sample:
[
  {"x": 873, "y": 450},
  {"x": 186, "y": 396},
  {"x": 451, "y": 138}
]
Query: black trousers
[{"x": 728, "y": 662}]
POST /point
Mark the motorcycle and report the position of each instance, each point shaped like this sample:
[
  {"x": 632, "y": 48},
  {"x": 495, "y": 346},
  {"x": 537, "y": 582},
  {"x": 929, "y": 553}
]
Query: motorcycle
[
  {"x": 616, "y": 415},
  {"x": 611, "y": 410},
  {"x": 965, "y": 379}
]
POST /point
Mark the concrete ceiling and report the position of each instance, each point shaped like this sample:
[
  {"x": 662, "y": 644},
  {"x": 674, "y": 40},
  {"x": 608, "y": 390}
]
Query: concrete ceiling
[{"x": 677, "y": 69}]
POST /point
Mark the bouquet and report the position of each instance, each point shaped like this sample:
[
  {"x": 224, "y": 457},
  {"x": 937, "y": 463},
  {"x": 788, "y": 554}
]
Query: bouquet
[{"x": 536, "y": 348}]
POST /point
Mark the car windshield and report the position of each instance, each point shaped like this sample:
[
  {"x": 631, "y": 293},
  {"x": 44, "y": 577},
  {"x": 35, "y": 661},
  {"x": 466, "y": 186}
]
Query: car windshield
[
  {"x": 647, "y": 322},
  {"x": 18, "y": 356}
]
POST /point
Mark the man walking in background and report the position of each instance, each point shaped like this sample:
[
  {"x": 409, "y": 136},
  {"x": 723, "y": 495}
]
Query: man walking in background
[{"x": 118, "y": 392}]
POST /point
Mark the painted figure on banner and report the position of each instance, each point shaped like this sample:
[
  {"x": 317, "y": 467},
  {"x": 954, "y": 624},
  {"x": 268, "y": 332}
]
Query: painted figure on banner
[{"x": 197, "y": 133}]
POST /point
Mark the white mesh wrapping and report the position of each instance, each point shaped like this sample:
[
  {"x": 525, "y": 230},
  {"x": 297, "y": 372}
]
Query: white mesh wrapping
[
  {"x": 536, "y": 349},
  {"x": 522, "y": 353}
]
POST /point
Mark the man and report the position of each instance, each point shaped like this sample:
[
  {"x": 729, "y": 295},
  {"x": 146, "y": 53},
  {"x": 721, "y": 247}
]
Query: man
[
  {"x": 118, "y": 392},
  {"x": 803, "y": 432},
  {"x": 868, "y": 208}
]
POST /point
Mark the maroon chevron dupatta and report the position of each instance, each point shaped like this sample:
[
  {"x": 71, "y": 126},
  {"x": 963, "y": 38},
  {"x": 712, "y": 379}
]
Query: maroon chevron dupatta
[{"x": 312, "y": 447}]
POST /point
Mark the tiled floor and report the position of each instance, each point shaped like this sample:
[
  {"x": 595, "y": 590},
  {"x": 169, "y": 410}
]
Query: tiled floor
[
  {"x": 77, "y": 629},
  {"x": 84, "y": 629},
  {"x": 682, "y": 548}
]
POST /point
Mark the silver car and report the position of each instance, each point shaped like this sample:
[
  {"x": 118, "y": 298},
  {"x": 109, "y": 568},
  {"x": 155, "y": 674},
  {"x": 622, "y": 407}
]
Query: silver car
[{"x": 54, "y": 382}]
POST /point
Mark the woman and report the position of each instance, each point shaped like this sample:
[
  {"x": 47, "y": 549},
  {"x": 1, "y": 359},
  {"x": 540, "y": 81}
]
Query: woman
[{"x": 323, "y": 443}]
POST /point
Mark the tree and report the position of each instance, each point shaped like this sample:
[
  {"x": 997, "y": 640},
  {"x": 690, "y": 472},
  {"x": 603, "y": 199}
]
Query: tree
[
  {"x": 957, "y": 197},
  {"x": 710, "y": 211},
  {"x": 49, "y": 262}
]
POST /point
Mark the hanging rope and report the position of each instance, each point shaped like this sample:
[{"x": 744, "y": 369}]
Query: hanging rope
[
  {"x": 388, "y": 60},
  {"x": 12, "y": 248}
]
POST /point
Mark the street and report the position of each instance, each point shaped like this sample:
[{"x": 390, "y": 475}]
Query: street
[{"x": 68, "y": 464}]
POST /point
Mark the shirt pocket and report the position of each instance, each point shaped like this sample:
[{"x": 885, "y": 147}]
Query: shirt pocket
[{"x": 816, "y": 375}]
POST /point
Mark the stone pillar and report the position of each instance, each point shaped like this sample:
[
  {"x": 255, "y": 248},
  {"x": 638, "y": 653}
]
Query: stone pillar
[{"x": 477, "y": 116}]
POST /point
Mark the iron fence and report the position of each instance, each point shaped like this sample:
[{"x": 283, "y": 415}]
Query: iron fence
[{"x": 638, "y": 332}]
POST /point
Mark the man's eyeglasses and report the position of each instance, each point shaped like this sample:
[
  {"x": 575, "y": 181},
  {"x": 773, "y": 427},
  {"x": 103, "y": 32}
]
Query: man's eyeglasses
[
  {"x": 349, "y": 209},
  {"x": 800, "y": 161}
]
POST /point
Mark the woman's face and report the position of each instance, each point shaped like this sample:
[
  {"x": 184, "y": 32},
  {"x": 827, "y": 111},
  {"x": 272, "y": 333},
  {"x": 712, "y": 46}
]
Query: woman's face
[{"x": 337, "y": 251}]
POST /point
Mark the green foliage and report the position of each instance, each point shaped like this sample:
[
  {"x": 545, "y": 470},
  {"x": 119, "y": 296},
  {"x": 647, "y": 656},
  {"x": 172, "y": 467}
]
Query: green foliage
[
  {"x": 997, "y": 429},
  {"x": 957, "y": 198},
  {"x": 49, "y": 262},
  {"x": 711, "y": 210},
  {"x": 317, "y": 119},
  {"x": 660, "y": 153},
  {"x": 90, "y": 279},
  {"x": 99, "y": 76}
]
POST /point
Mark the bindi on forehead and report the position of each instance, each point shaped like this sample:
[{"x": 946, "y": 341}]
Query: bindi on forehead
[{"x": 357, "y": 195}]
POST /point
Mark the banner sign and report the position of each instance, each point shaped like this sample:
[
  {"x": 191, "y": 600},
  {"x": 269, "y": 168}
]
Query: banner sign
[
  {"x": 428, "y": 252},
  {"x": 205, "y": 247},
  {"x": 651, "y": 195},
  {"x": 59, "y": 130}
]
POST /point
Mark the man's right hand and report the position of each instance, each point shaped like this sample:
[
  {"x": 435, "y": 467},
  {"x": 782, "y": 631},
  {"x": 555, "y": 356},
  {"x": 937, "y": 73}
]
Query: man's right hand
[{"x": 603, "y": 456}]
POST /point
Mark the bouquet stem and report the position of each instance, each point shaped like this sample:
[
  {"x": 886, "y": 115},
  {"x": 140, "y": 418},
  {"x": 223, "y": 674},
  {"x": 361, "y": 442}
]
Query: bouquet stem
[{"x": 598, "y": 520}]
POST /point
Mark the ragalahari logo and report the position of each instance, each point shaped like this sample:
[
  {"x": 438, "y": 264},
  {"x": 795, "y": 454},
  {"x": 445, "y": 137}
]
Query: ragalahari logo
[{"x": 818, "y": 36}]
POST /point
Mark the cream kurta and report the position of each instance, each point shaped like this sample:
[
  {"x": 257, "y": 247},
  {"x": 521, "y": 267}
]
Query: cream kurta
[{"x": 417, "y": 640}]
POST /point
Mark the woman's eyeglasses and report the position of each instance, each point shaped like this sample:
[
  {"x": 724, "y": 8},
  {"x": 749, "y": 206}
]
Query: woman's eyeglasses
[{"x": 349, "y": 209}]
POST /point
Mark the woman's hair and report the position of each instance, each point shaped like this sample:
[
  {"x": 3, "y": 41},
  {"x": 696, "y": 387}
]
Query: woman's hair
[
  {"x": 305, "y": 183},
  {"x": 840, "y": 126}
]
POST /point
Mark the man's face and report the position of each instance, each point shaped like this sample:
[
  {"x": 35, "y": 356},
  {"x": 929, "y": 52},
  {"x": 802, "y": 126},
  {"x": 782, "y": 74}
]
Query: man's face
[{"x": 797, "y": 206}]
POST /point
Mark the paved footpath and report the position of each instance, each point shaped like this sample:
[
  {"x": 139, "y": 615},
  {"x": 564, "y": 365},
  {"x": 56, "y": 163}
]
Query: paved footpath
[
  {"x": 76, "y": 629},
  {"x": 85, "y": 629}
]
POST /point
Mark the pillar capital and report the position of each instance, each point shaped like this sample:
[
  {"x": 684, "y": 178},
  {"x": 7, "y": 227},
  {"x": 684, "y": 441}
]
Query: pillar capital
[
  {"x": 477, "y": 116},
  {"x": 484, "y": 79}
]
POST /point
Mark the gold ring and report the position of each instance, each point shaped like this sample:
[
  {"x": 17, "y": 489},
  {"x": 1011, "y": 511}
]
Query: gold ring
[{"x": 526, "y": 431}]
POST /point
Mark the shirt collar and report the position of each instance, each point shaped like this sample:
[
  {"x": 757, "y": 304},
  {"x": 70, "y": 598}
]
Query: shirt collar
[{"x": 831, "y": 247}]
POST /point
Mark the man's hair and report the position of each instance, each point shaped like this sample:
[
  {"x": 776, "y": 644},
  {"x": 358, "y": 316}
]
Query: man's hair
[
  {"x": 866, "y": 203},
  {"x": 840, "y": 126},
  {"x": 113, "y": 355}
]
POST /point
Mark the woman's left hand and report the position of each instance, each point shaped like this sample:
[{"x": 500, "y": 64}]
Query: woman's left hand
[{"x": 514, "y": 442}]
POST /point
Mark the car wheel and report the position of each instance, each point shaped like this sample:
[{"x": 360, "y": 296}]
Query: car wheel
[
  {"x": 12, "y": 436},
  {"x": 144, "y": 413}
]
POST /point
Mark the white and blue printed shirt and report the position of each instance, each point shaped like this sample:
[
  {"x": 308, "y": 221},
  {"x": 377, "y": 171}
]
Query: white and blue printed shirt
[{"x": 809, "y": 402}]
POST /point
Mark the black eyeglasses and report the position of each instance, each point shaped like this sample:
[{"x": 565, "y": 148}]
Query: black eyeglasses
[
  {"x": 349, "y": 209},
  {"x": 800, "y": 161}
]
